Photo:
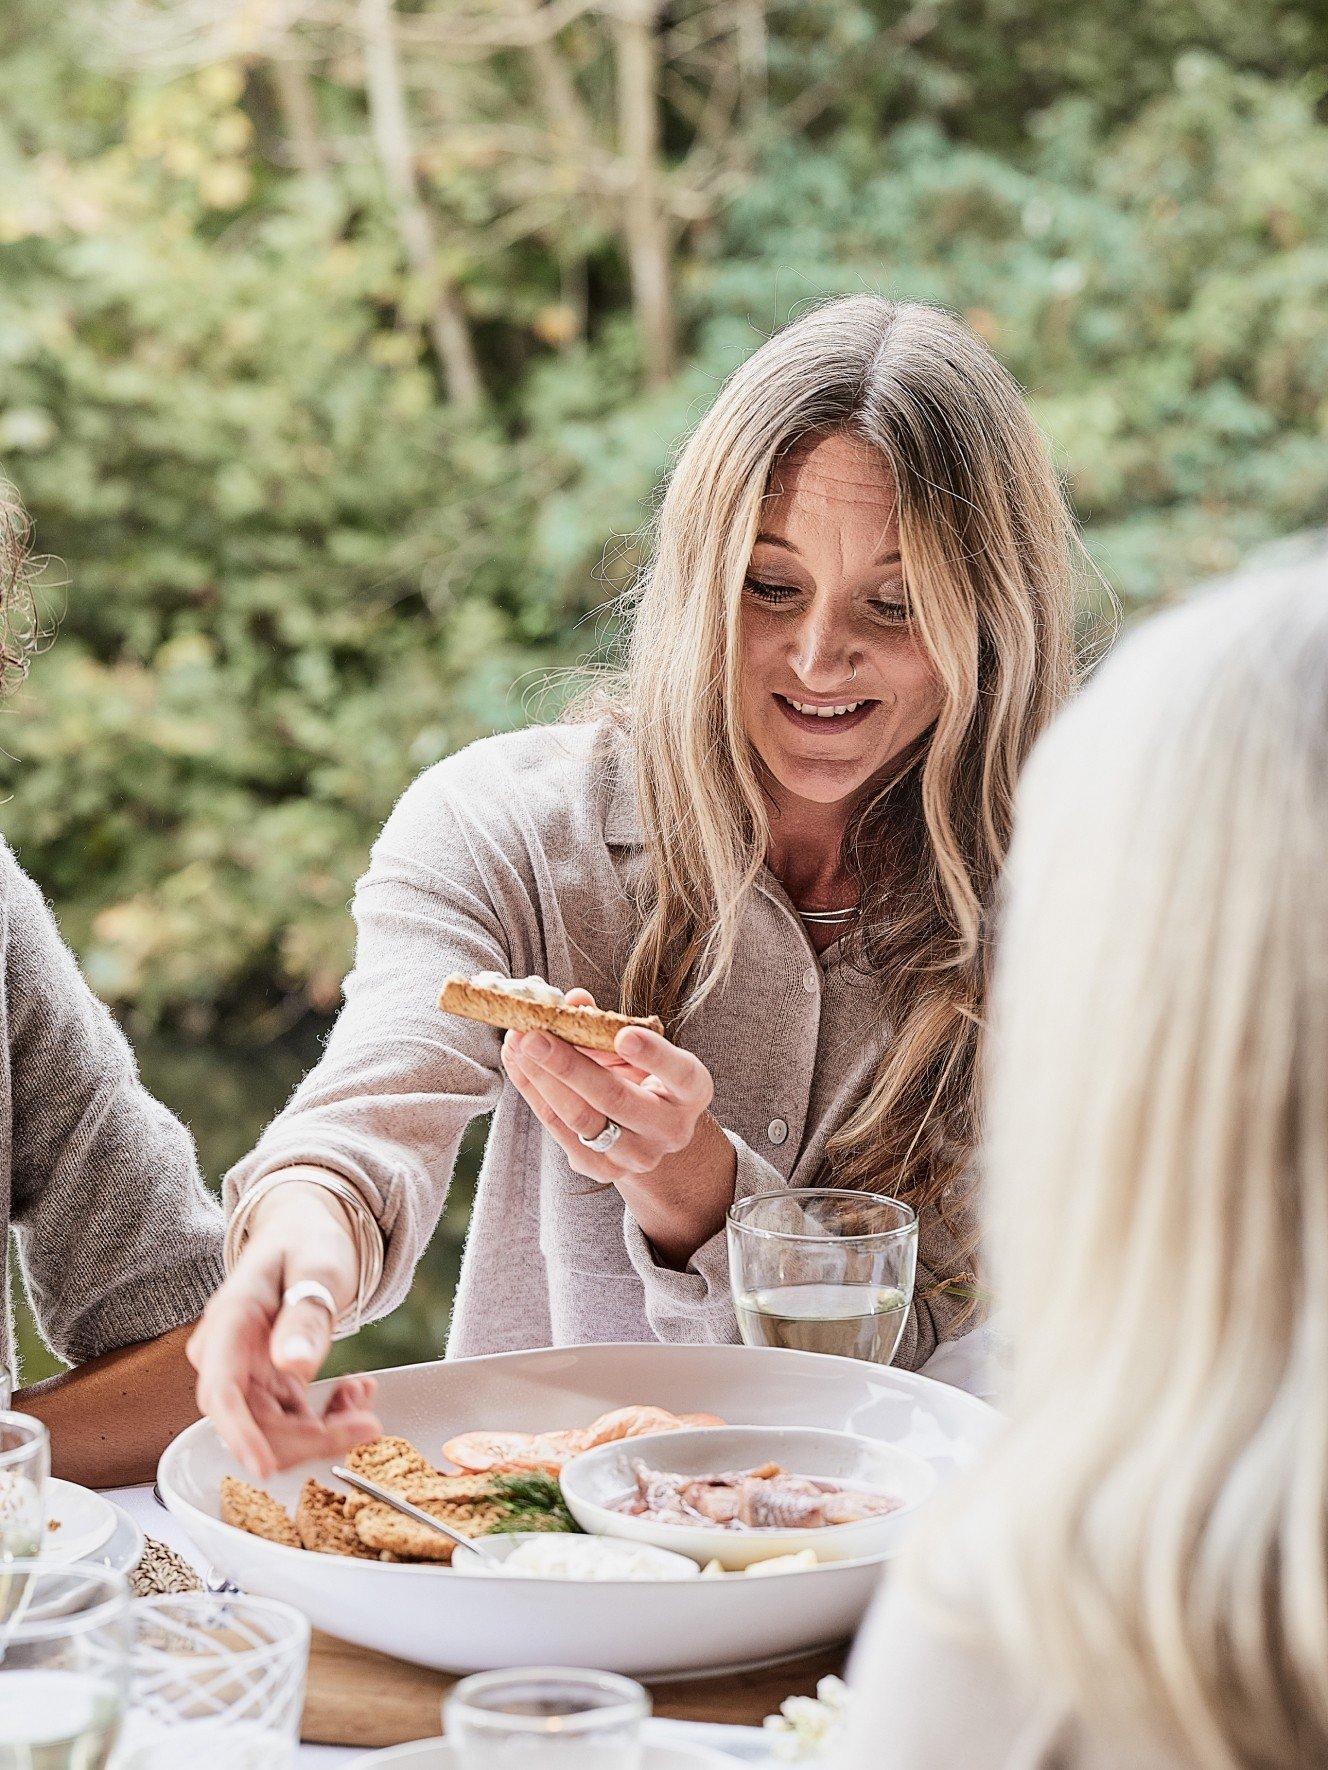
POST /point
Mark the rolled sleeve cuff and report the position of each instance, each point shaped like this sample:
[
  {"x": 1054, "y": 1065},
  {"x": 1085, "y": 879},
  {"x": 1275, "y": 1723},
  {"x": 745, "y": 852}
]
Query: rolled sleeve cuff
[
  {"x": 144, "y": 1310},
  {"x": 695, "y": 1306}
]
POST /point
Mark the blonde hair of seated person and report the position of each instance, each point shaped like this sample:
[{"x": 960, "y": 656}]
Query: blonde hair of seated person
[{"x": 1150, "y": 1539}]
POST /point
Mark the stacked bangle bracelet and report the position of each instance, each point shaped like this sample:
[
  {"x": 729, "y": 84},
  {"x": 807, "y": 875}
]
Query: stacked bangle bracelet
[{"x": 367, "y": 1235}]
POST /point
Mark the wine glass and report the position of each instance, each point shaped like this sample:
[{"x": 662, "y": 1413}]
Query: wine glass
[
  {"x": 819, "y": 1269},
  {"x": 25, "y": 1467},
  {"x": 63, "y": 1665},
  {"x": 546, "y": 1718}
]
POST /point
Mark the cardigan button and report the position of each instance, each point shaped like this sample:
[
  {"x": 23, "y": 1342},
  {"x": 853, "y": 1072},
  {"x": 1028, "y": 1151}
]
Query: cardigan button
[{"x": 776, "y": 1130}]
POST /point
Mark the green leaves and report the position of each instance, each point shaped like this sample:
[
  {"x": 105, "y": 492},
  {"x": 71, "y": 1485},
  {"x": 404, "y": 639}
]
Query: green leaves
[{"x": 296, "y": 577}]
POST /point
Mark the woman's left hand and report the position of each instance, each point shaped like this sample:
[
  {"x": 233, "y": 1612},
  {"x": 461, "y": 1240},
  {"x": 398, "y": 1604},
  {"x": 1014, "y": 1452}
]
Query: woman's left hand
[{"x": 659, "y": 1095}]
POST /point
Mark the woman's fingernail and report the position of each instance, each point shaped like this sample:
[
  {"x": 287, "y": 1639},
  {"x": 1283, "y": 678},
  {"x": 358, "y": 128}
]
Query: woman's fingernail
[
  {"x": 632, "y": 1042},
  {"x": 537, "y": 1045},
  {"x": 297, "y": 1348}
]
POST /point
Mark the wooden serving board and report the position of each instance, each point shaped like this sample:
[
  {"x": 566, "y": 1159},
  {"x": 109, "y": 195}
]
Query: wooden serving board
[{"x": 357, "y": 1697}]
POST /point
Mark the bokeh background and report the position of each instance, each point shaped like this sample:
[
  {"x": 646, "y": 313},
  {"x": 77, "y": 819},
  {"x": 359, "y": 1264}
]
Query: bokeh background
[{"x": 344, "y": 342}]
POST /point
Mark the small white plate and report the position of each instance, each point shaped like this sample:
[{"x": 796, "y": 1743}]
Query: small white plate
[
  {"x": 85, "y": 1521},
  {"x": 437, "y": 1754},
  {"x": 595, "y": 1480},
  {"x": 123, "y": 1550}
]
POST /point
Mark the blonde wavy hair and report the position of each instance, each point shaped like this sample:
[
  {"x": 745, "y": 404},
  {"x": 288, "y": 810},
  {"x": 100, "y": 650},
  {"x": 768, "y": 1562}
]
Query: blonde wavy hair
[
  {"x": 986, "y": 543},
  {"x": 1151, "y": 1536}
]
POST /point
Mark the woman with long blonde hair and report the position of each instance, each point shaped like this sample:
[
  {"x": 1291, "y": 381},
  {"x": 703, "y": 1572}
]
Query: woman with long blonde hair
[
  {"x": 779, "y": 830},
  {"x": 1138, "y": 1573}
]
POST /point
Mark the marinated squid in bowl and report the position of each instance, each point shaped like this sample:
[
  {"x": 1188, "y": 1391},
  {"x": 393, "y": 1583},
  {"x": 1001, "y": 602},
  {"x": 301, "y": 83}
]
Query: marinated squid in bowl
[{"x": 740, "y": 1495}]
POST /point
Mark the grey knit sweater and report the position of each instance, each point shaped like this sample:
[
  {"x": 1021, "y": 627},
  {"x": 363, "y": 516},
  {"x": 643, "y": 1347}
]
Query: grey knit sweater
[{"x": 118, "y": 1237}]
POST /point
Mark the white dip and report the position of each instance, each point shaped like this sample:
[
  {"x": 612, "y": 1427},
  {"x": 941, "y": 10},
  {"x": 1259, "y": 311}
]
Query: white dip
[
  {"x": 530, "y": 989},
  {"x": 597, "y": 1557}
]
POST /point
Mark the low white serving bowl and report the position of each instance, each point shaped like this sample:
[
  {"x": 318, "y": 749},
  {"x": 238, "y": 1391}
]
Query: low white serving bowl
[
  {"x": 594, "y": 1480},
  {"x": 474, "y": 1622}
]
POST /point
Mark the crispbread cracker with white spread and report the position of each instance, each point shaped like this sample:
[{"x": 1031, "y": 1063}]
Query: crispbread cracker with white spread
[{"x": 594, "y": 1028}]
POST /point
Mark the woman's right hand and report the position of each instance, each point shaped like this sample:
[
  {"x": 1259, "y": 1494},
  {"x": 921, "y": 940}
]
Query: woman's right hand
[{"x": 255, "y": 1359}]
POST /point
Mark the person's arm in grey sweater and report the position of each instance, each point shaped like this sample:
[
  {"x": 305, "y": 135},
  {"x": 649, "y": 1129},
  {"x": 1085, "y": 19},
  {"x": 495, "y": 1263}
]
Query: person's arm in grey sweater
[{"x": 119, "y": 1240}]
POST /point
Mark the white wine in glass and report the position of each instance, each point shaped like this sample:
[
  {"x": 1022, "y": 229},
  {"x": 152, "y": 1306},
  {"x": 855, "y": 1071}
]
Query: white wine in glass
[
  {"x": 823, "y": 1269},
  {"x": 63, "y": 1666},
  {"x": 848, "y": 1320},
  {"x": 55, "y": 1720}
]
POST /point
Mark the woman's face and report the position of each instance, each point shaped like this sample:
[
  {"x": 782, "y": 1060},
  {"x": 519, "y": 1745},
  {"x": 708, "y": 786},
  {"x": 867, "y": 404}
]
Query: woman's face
[{"x": 835, "y": 681}]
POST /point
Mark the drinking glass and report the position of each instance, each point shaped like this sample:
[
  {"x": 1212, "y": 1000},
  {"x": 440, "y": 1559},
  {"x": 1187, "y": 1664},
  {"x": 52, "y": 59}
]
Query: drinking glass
[
  {"x": 63, "y": 1665},
  {"x": 546, "y": 1719},
  {"x": 217, "y": 1682},
  {"x": 819, "y": 1269},
  {"x": 25, "y": 1465}
]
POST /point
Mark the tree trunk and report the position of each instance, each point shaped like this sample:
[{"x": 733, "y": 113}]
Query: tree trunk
[
  {"x": 567, "y": 114},
  {"x": 298, "y": 105},
  {"x": 396, "y": 156},
  {"x": 753, "y": 56},
  {"x": 645, "y": 220}
]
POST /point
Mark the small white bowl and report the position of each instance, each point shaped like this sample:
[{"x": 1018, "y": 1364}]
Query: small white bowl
[{"x": 594, "y": 1480}]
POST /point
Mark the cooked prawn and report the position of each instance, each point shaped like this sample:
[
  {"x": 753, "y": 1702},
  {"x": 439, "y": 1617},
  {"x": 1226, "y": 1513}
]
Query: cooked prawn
[{"x": 496, "y": 1452}]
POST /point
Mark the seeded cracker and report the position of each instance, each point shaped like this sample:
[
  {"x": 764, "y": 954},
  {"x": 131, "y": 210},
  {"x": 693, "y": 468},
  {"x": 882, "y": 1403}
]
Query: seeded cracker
[
  {"x": 593, "y": 1028},
  {"x": 249, "y": 1508},
  {"x": 323, "y": 1525},
  {"x": 387, "y": 1461},
  {"x": 381, "y": 1528}
]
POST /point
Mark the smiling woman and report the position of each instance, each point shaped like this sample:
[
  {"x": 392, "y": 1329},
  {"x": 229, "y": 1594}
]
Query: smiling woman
[
  {"x": 827, "y": 619},
  {"x": 779, "y": 830}
]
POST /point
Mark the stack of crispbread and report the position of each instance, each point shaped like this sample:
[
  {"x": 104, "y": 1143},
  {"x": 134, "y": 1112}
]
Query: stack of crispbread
[{"x": 332, "y": 1523}]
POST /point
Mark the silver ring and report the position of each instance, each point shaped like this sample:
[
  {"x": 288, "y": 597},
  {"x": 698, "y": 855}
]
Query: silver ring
[
  {"x": 308, "y": 1290},
  {"x": 605, "y": 1140},
  {"x": 853, "y": 671}
]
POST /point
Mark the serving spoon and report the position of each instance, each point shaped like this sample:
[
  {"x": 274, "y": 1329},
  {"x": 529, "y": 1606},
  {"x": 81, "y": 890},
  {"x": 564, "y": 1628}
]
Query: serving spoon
[{"x": 388, "y": 1498}]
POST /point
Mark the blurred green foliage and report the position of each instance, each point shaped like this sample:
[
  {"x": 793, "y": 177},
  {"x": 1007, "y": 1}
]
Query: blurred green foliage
[{"x": 296, "y": 573}]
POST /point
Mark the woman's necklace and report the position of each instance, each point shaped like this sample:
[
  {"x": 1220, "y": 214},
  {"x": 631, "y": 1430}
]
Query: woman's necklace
[{"x": 829, "y": 918}]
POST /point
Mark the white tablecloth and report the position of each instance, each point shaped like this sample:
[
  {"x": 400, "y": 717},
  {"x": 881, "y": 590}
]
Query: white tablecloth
[{"x": 965, "y": 1362}]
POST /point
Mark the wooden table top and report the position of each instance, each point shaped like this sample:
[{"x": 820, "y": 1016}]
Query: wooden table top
[{"x": 357, "y": 1697}]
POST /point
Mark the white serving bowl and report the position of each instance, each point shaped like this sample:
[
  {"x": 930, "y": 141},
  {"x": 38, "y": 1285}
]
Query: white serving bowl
[
  {"x": 475, "y": 1622},
  {"x": 597, "y": 1478}
]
